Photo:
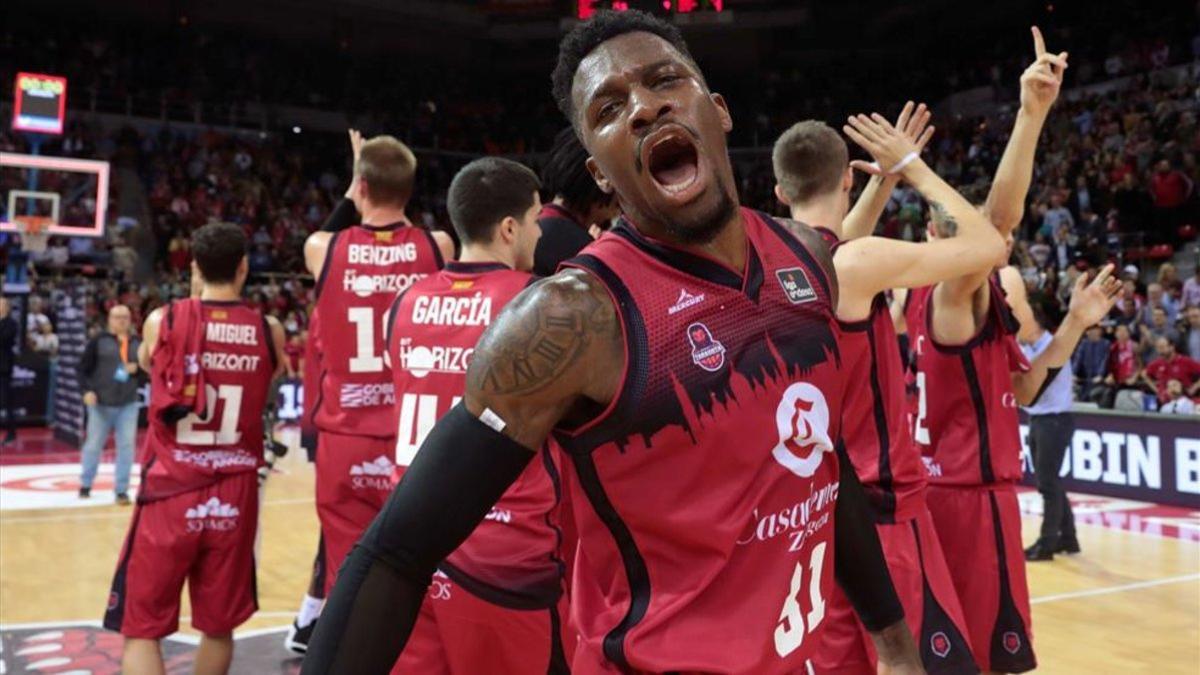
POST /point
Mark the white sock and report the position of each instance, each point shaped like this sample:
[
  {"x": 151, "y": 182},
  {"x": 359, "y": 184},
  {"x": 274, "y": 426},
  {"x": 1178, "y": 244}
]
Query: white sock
[{"x": 310, "y": 609}]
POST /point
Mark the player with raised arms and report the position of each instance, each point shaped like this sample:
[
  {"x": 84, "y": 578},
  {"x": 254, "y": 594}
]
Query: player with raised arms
[{"x": 688, "y": 364}]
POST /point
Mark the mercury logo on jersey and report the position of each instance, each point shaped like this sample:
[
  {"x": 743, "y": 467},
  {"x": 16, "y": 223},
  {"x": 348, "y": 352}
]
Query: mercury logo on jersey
[
  {"x": 373, "y": 475},
  {"x": 365, "y": 285},
  {"x": 685, "y": 300},
  {"x": 802, "y": 420},
  {"x": 355, "y": 395},
  {"x": 421, "y": 360},
  {"x": 448, "y": 310},
  {"x": 231, "y": 333},
  {"x": 367, "y": 254},
  {"x": 212, "y": 515}
]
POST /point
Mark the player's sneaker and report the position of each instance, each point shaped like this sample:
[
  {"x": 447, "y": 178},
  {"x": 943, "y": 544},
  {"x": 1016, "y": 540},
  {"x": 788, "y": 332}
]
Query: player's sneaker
[{"x": 297, "y": 637}]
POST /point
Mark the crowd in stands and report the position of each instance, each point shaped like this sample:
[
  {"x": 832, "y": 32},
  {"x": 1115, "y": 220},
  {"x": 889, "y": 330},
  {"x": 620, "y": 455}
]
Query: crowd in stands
[{"x": 1116, "y": 178}]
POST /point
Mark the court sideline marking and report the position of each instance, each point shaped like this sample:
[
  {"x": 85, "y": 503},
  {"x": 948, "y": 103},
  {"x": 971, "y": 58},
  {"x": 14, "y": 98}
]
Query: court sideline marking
[{"x": 1106, "y": 590}]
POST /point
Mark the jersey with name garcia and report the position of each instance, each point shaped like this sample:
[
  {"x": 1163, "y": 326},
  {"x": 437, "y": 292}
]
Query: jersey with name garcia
[
  {"x": 365, "y": 268},
  {"x": 238, "y": 361},
  {"x": 510, "y": 559},
  {"x": 966, "y": 420},
  {"x": 704, "y": 495}
]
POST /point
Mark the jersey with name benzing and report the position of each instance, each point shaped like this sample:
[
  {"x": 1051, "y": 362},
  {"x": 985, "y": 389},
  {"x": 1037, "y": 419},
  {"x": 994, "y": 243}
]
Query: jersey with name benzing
[
  {"x": 510, "y": 558},
  {"x": 238, "y": 361},
  {"x": 966, "y": 420},
  {"x": 364, "y": 269},
  {"x": 704, "y": 495}
]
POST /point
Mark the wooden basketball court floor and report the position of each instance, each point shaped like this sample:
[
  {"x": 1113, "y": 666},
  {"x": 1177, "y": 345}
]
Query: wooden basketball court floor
[{"x": 1130, "y": 603}]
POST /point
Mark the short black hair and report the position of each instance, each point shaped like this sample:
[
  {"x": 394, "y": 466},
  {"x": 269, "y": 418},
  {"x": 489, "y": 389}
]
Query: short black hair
[
  {"x": 218, "y": 249},
  {"x": 565, "y": 174},
  {"x": 603, "y": 26},
  {"x": 487, "y": 191}
]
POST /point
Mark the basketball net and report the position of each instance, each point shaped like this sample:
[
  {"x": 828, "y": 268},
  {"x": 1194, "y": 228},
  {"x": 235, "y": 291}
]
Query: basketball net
[{"x": 33, "y": 231}]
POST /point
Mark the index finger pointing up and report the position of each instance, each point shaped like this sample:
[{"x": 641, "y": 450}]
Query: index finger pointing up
[{"x": 1039, "y": 43}]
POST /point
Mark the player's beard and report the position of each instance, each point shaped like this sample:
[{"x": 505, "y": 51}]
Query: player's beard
[{"x": 704, "y": 227}]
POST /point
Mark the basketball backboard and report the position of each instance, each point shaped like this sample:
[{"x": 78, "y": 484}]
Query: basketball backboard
[{"x": 72, "y": 193}]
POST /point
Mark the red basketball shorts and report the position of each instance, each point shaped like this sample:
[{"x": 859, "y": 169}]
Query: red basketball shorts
[
  {"x": 980, "y": 532},
  {"x": 931, "y": 607},
  {"x": 205, "y": 537},
  {"x": 354, "y": 479},
  {"x": 458, "y": 633}
]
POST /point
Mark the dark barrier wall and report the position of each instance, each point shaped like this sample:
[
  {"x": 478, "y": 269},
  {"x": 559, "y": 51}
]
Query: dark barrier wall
[
  {"x": 1147, "y": 457},
  {"x": 70, "y": 306},
  {"x": 30, "y": 388}
]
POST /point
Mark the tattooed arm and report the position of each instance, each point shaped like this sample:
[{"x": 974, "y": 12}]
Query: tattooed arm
[{"x": 551, "y": 355}]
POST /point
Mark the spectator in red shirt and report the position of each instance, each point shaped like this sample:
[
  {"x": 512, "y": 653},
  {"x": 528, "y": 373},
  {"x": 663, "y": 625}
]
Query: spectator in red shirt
[
  {"x": 1170, "y": 189},
  {"x": 1123, "y": 363},
  {"x": 1171, "y": 366}
]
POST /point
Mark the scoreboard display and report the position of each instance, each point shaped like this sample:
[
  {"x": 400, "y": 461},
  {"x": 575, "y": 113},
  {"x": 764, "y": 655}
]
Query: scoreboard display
[
  {"x": 39, "y": 103},
  {"x": 586, "y": 8}
]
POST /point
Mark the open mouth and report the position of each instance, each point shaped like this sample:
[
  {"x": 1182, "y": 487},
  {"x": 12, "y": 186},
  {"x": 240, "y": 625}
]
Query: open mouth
[{"x": 673, "y": 162}]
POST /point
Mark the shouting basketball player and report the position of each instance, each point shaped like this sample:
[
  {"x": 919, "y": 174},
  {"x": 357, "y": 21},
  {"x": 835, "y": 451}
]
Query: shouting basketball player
[
  {"x": 211, "y": 362},
  {"x": 493, "y": 606},
  {"x": 688, "y": 364},
  {"x": 970, "y": 376},
  {"x": 359, "y": 271},
  {"x": 814, "y": 178}
]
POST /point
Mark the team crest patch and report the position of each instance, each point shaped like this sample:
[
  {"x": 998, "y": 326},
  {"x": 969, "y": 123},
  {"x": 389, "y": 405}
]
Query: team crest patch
[
  {"x": 1012, "y": 642},
  {"x": 796, "y": 285},
  {"x": 707, "y": 352},
  {"x": 940, "y": 644}
]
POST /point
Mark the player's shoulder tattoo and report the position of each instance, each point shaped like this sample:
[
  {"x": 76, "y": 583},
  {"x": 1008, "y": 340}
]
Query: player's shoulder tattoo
[{"x": 542, "y": 335}]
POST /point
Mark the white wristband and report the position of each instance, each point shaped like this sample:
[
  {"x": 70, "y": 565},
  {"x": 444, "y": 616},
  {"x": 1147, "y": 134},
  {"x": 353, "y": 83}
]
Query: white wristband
[{"x": 905, "y": 161}]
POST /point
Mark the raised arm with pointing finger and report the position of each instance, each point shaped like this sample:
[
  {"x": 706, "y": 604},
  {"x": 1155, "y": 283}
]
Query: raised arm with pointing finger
[{"x": 1040, "y": 84}]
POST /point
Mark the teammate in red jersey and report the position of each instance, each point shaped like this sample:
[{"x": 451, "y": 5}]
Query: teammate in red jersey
[
  {"x": 494, "y": 604},
  {"x": 359, "y": 271},
  {"x": 688, "y": 364},
  {"x": 211, "y": 361},
  {"x": 814, "y": 178},
  {"x": 971, "y": 376}
]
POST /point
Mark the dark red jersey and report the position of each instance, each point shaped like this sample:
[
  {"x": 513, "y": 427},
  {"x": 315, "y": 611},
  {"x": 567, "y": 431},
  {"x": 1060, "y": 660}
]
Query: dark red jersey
[
  {"x": 364, "y": 269},
  {"x": 704, "y": 495},
  {"x": 511, "y": 557},
  {"x": 238, "y": 363},
  {"x": 966, "y": 417},
  {"x": 875, "y": 425}
]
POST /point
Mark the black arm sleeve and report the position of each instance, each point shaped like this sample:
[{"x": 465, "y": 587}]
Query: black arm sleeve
[
  {"x": 858, "y": 562},
  {"x": 461, "y": 470},
  {"x": 343, "y": 215}
]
